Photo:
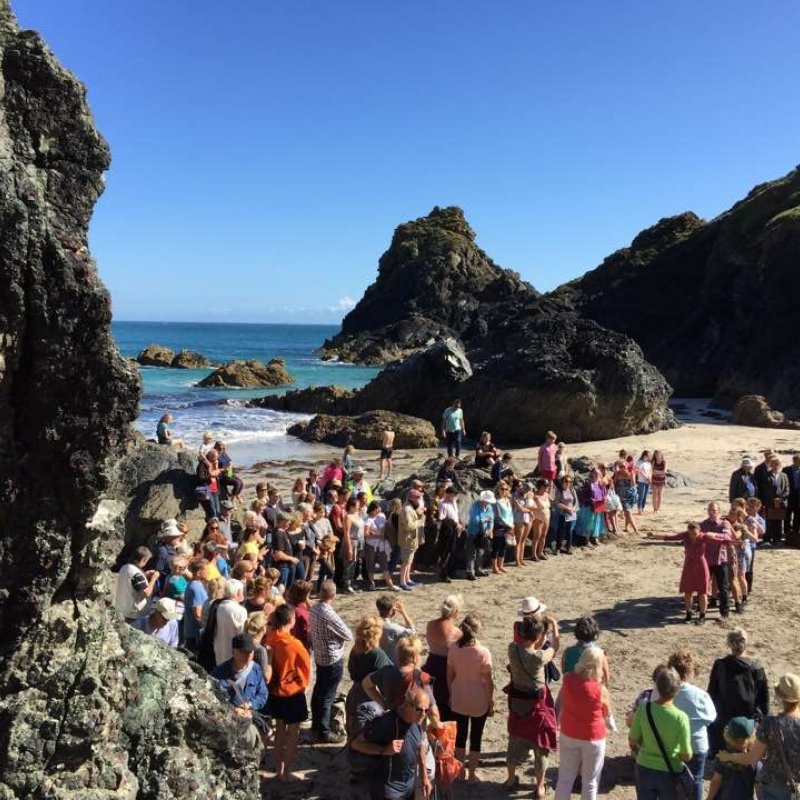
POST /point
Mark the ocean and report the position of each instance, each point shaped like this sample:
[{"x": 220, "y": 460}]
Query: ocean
[{"x": 252, "y": 434}]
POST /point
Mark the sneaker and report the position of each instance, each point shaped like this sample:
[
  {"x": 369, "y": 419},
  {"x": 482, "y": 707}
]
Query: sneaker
[
  {"x": 739, "y": 609},
  {"x": 406, "y": 588},
  {"x": 350, "y": 590},
  {"x": 481, "y": 573},
  {"x": 411, "y": 583},
  {"x": 470, "y": 576},
  {"x": 331, "y": 738},
  {"x": 688, "y": 617},
  {"x": 701, "y": 620},
  {"x": 446, "y": 579},
  {"x": 371, "y": 588},
  {"x": 724, "y": 613}
]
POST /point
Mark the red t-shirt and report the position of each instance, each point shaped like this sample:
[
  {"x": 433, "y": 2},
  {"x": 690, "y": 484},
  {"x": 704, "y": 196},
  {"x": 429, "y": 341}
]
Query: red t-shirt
[{"x": 582, "y": 710}]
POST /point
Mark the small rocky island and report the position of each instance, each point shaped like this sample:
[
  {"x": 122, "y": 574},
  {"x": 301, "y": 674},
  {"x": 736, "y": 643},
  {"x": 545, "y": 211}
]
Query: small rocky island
[
  {"x": 251, "y": 374},
  {"x": 156, "y": 355}
]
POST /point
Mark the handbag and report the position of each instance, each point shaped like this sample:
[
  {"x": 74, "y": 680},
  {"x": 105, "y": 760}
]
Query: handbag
[
  {"x": 599, "y": 506},
  {"x": 684, "y": 780},
  {"x": 794, "y": 786},
  {"x": 511, "y": 540}
]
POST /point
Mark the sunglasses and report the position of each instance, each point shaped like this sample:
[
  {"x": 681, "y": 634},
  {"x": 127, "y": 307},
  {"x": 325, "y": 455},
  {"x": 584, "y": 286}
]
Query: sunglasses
[
  {"x": 213, "y": 527},
  {"x": 421, "y": 709}
]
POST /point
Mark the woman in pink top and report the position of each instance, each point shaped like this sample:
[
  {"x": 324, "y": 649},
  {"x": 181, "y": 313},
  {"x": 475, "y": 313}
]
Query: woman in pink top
[
  {"x": 547, "y": 457},
  {"x": 585, "y": 703},
  {"x": 469, "y": 679}
]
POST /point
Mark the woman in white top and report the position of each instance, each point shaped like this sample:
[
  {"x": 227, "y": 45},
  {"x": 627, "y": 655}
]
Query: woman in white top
[{"x": 644, "y": 477}]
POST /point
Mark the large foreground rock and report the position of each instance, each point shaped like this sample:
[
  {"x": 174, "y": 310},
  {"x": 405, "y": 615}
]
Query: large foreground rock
[
  {"x": 250, "y": 374},
  {"x": 88, "y": 708},
  {"x": 563, "y": 374},
  {"x": 713, "y": 304},
  {"x": 458, "y": 325},
  {"x": 365, "y": 431},
  {"x": 754, "y": 410}
]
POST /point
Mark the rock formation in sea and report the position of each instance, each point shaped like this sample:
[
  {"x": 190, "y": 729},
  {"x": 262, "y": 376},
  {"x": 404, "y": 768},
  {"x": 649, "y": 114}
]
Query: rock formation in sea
[
  {"x": 88, "y": 707},
  {"x": 250, "y": 374},
  {"x": 365, "y": 431},
  {"x": 313, "y": 400},
  {"x": 459, "y": 325},
  {"x": 713, "y": 304},
  {"x": 156, "y": 355}
]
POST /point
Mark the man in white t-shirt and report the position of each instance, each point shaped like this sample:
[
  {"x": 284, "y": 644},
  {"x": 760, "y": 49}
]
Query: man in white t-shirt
[
  {"x": 231, "y": 618},
  {"x": 376, "y": 547},
  {"x": 135, "y": 587}
]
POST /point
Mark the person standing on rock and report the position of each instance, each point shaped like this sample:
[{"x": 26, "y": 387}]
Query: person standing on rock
[
  {"x": 387, "y": 451},
  {"x": 453, "y": 428},
  {"x": 547, "y": 457},
  {"x": 135, "y": 587}
]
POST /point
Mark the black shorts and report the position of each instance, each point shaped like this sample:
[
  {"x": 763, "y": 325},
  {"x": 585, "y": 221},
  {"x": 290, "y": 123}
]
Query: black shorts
[
  {"x": 386, "y": 452},
  {"x": 290, "y": 709}
]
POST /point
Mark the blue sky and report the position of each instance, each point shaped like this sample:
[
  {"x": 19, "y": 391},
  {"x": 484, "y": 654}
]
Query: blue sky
[{"x": 263, "y": 153}]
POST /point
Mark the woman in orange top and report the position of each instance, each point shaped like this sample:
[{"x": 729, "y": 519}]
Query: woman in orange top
[{"x": 291, "y": 673}]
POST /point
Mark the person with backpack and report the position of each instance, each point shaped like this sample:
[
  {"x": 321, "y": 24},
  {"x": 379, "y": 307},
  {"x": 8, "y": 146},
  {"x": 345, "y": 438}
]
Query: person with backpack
[{"x": 396, "y": 741}]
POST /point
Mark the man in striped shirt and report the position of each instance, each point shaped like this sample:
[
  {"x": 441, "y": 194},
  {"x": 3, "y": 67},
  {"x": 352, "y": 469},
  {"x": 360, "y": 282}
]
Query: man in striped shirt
[{"x": 329, "y": 632}]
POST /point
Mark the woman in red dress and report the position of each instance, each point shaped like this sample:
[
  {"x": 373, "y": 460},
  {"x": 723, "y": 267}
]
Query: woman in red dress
[{"x": 695, "y": 578}]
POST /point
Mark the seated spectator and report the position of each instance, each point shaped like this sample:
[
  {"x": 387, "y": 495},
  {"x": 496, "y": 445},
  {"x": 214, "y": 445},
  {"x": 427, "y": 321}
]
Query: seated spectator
[
  {"x": 162, "y": 622},
  {"x": 243, "y": 681}
]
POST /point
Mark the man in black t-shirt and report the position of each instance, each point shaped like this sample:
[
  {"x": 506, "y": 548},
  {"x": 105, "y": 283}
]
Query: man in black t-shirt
[{"x": 397, "y": 737}]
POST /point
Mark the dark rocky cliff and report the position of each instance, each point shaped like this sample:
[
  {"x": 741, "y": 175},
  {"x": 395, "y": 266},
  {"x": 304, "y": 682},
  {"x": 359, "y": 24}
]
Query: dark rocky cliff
[
  {"x": 713, "y": 305},
  {"x": 88, "y": 707},
  {"x": 433, "y": 282},
  {"x": 461, "y": 326}
]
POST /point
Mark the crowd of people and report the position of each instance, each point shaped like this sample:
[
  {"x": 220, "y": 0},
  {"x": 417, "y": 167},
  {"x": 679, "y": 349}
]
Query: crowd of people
[{"x": 254, "y": 602}]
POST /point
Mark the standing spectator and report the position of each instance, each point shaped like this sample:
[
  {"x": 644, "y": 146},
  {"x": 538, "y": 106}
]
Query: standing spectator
[
  {"x": 135, "y": 586},
  {"x": 469, "y": 681},
  {"x": 778, "y": 744},
  {"x": 291, "y": 673},
  {"x": 644, "y": 477},
  {"x": 283, "y": 558},
  {"x": 738, "y": 688},
  {"x": 376, "y": 547},
  {"x": 297, "y": 596},
  {"x": 654, "y": 720},
  {"x": 760, "y": 473},
  {"x": 387, "y": 453},
  {"x": 365, "y": 658},
  {"x": 503, "y": 527},
  {"x": 587, "y": 632},
  {"x": 791, "y": 525},
  {"x": 162, "y": 622},
  {"x": 547, "y": 457},
  {"x": 388, "y": 607},
  {"x": 742, "y": 482},
  {"x": 328, "y": 635},
  {"x": 410, "y": 518},
  {"x": 699, "y": 708},
  {"x": 398, "y": 738},
  {"x": 775, "y": 497},
  {"x": 450, "y": 528},
  {"x": 230, "y": 620},
  {"x": 567, "y": 516},
  {"x": 479, "y": 532},
  {"x": 208, "y": 473},
  {"x": 716, "y": 553},
  {"x": 453, "y": 428},
  {"x": 440, "y": 634},
  {"x": 585, "y": 704},
  {"x": 659, "y": 479},
  {"x": 167, "y": 537},
  {"x": 194, "y": 599}
]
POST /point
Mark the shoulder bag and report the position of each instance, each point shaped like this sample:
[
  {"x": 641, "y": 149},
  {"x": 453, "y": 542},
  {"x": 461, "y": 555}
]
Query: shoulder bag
[
  {"x": 794, "y": 786},
  {"x": 684, "y": 780}
]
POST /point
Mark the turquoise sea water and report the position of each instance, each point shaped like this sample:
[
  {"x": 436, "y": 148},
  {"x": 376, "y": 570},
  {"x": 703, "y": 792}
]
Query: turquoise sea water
[{"x": 251, "y": 434}]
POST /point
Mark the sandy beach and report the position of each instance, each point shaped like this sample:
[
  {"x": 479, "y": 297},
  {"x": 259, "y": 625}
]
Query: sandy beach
[{"x": 631, "y": 584}]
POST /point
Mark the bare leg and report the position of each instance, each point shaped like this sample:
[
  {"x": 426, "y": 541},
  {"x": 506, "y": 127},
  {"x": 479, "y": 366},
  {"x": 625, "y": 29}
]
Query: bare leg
[
  {"x": 687, "y": 601},
  {"x": 289, "y": 748},
  {"x": 472, "y": 766},
  {"x": 280, "y": 745},
  {"x": 702, "y": 601}
]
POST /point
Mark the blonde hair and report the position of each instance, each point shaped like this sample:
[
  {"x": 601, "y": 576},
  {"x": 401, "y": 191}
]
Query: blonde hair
[
  {"x": 369, "y": 630},
  {"x": 452, "y": 605},
  {"x": 408, "y": 648},
  {"x": 258, "y": 505},
  {"x": 590, "y": 664},
  {"x": 216, "y": 588},
  {"x": 255, "y": 622},
  {"x": 737, "y": 641},
  {"x": 251, "y": 520},
  {"x": 272, "y": 575},
  {"x": 395, "y": 506}
]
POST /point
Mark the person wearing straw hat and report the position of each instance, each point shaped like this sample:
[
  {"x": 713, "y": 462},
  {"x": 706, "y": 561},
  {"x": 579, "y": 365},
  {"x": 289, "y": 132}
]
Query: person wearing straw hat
[
  {"x": 167, "y": 537},
  {"x": 777, "y": 745},
  {"x": 162, "y": 622},
  {"x": 479, "y": 531}
]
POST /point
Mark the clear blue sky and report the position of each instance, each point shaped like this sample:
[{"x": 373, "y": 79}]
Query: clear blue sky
[{"x": 264, "y": 152}]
